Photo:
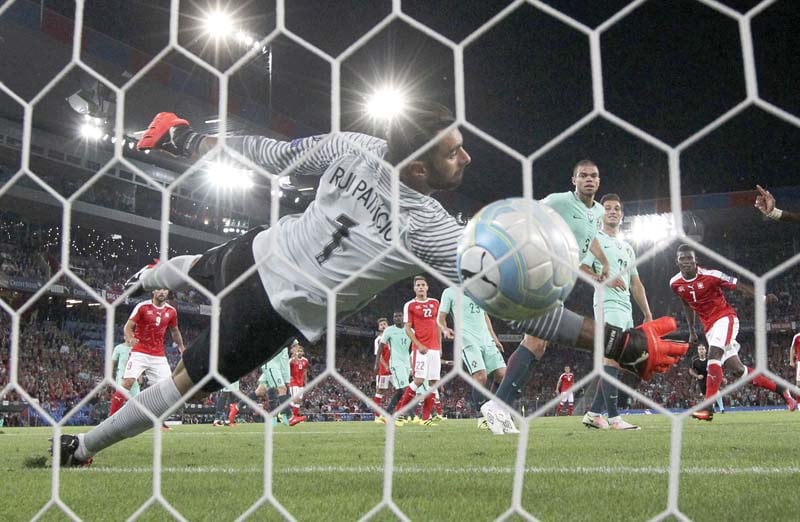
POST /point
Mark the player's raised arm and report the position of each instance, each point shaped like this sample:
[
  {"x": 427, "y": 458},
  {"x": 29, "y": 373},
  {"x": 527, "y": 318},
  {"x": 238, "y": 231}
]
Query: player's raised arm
[
  {"x": 748, "y": 290},
  {"x": 765, "y": 203},
  {"x": 174, "y": 135}
]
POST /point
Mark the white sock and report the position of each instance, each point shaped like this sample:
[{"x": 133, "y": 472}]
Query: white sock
[
  {"x": 129, "y": 421},
  {"x": 168, "y": 274}
]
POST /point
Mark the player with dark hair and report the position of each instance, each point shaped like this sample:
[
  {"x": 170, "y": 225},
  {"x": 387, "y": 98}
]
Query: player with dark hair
[
  {"x": 564, "y": 391},
  {"x": 617, "y": 307},
  {"x": 145, "y": 331},
  {"x": 419, "y": 316},
  {"x": 481, "y": 350},
  {"x": 382, "y": 373},
  {"x": 699, "y": 370},
  {"x": 396, "y": 340},
  {"x": 765, "y": 203},
  {"x": 302, "y": 255},
  {"x": 582, "y": 214},
  {"x": 701, "y": 292}
]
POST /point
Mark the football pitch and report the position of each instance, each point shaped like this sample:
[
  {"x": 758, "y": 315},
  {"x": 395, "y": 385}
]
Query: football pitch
[{"x": 741, "y": 466}]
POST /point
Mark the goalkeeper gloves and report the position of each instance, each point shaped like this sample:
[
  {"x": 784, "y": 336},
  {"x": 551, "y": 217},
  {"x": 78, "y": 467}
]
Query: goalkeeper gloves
[
  {"x": 172, "y": 134},
  {"x": 642, "y": 350}
]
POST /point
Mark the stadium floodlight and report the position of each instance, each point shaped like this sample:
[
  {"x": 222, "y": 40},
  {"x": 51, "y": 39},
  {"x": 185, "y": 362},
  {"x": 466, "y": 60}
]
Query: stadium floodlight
[
  {"x": 91, "y": 131},
  {"x": 650, "y": 228},
  {"x": 386, "y": 103},
  {"x": 226, "y": 176},
  {"x": 218, "y": 24},
  {"x": 93, "y": 99}
]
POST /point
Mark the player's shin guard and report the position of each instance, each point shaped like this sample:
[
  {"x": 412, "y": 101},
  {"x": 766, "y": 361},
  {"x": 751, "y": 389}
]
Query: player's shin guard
[
  {"x": 427, "y": 406},
  {"x": 117, "y": 401},
  {"x": 398, "y": 394},
  {"x": 642, "y": 350},
  {"x": 518, "y": 374},
  {"x": 408, "y": 396},
  {"x": 130, "y": 420},
  {"x": 714, "y": 377}
]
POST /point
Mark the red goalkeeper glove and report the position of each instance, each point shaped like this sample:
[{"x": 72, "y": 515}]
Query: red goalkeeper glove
[
  {"x": 172, "y": 134},
  {"x": 642, "y": 350}
]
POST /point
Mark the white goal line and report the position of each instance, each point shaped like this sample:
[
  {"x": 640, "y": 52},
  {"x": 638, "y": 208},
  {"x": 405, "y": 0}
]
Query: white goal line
[{"x": 497, "y": 470}]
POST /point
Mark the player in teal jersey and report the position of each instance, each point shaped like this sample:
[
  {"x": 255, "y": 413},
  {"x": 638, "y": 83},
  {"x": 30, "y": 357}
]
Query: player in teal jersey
[
  {"x": 399, "y": 360},
  {"x": 481, "y": 349},
  {"x": 274, "y": 382},
  {"x": 120, "y": 355},
  {"x": 226, "y": 400},
  {"x": 617, "y": 307},
  {"x": 583, "y": 215}
]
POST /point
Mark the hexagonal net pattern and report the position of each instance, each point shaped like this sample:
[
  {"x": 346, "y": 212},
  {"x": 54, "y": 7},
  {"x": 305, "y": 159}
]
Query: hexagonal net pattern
[{"x": 672, "y": 149}]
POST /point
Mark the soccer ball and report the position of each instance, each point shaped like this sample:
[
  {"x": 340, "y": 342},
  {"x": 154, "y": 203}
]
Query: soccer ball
[{"x": 517, "y": 259}]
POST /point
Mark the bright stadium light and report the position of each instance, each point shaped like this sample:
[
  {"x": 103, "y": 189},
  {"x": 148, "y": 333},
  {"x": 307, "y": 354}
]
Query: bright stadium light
[
  {"x": 91, "y": 131},
  {"x": 650, "y": 228},
  {"x": 227, "y": 177},
  {"x": 218, "y": 24},
  {"x": 386, "y": 104}
]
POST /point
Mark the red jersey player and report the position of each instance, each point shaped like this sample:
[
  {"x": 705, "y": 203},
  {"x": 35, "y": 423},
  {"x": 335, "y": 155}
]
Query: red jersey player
[
  {"x": 145, "y": 330},
  {"x": 298, "y": 372},
  {"x": 794, "y": 356},
  {"x": 419, "y": 316},
  {"x": 701, "y": 291},
  {"x": 564, "y": 388},
  {"x": 382, "y": 373}
]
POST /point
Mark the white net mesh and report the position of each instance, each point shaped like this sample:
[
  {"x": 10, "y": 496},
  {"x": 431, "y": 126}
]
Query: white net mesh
[{"x": 341, "y": 57}]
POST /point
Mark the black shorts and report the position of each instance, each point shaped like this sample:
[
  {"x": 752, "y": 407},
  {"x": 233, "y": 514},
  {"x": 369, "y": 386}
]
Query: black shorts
[{"x": 250, "y": 330}]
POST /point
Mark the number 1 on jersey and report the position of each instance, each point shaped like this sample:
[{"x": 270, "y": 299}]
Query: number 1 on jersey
[{"x": 343, "y": 224}]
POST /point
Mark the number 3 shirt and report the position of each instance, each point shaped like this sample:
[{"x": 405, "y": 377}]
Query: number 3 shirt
[
  {"x": 421, "y": 316},
  {"x": 703, "y": 294}
]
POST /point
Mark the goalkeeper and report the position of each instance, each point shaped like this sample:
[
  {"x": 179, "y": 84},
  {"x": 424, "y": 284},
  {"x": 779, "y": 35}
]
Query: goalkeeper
[{"x": 303, "y": 255}]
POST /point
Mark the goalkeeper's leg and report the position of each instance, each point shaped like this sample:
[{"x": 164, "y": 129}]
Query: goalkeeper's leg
[{"x": 247, "y": 319}]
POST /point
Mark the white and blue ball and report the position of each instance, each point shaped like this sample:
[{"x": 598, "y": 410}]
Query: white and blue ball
[{"x": 517, "y": 259}]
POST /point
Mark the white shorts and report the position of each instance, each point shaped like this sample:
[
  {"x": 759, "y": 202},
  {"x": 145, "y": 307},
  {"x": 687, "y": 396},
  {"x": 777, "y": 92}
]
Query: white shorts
[
  {"x": 797, "y": 370},
  {"x": 567, "y": 396},
  {"x": 722, "y": 334},
  {"x": 155, "y": 367},
  {"x": 382, "y": 382},
  {"x": 297, "y": 392},
  {"x": 427, "y": 366}
]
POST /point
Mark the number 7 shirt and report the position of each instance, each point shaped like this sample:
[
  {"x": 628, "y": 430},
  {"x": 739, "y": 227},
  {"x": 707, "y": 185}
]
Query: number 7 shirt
[
  {"x": 350, "y": 227},
  {"x": 704, "y": 294}
]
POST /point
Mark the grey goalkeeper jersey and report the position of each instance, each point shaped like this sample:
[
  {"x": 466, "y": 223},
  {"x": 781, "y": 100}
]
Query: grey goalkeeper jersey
[{"x": 347, "y": 228}]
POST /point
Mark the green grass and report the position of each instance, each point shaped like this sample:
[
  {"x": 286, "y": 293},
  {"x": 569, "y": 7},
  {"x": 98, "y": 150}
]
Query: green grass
[{"x": 742, "y": 466}]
